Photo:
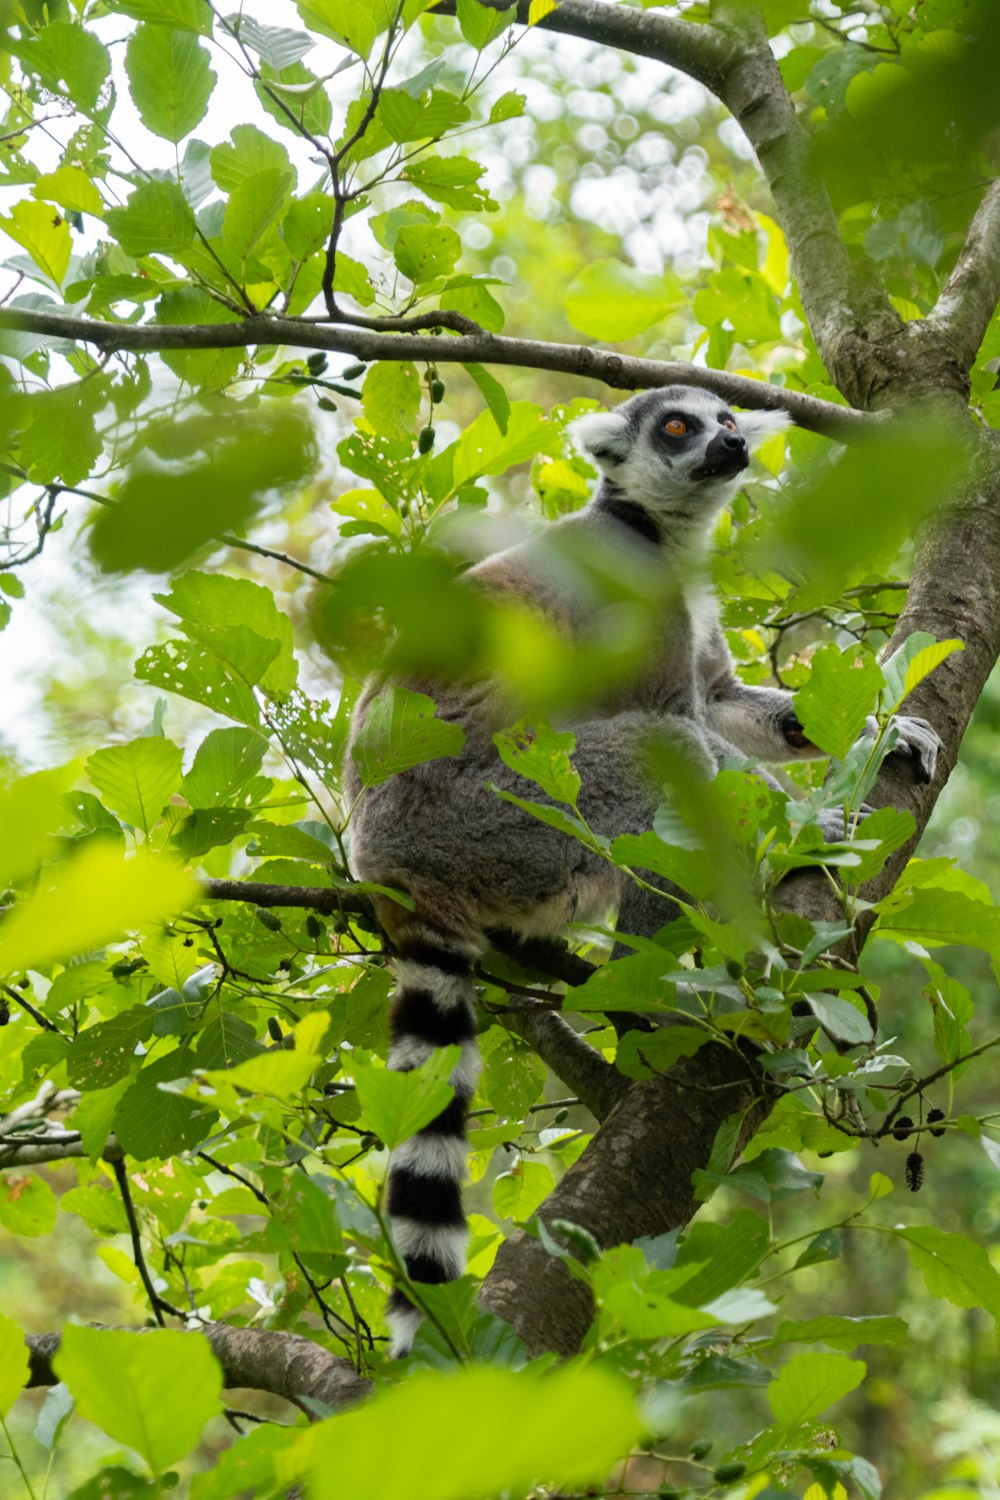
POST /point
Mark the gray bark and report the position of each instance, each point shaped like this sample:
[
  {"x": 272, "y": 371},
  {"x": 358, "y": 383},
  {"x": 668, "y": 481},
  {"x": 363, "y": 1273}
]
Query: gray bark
[{"x": 258, "y": 1359}]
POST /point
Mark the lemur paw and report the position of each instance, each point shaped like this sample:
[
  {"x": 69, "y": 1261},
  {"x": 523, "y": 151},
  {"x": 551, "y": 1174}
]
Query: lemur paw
[
  {"x": 832, "y": 825},
  {"x": 918, "y": 743}
]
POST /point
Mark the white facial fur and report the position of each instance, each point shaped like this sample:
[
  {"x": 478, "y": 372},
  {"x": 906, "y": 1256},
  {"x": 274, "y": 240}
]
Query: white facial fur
[{"x": 623, "y": 444}]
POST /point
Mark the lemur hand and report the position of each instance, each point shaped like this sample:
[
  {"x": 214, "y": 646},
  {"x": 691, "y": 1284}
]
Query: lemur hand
[{"x": 918, "y": 742}]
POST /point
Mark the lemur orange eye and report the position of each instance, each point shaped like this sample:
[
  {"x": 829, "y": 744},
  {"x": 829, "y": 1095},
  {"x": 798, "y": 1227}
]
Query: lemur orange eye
[
  {"x": 728, "y": 422},
  {"x": 675, "y": 427}
]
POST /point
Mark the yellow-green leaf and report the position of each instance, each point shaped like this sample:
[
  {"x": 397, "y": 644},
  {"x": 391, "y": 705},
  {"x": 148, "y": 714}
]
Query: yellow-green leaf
[
  {"x": 44, "y": 233},
  {"x": 128, "y": 1383},
  {"x": 809, "y": 1383},
  {"x": 13, "y": 1363},
  {"x": 570, "y": 1426},
  {"x": 137, "y": 780},
  {"x": 71, "y": 188},
  {"x": 92, "y": 899}
]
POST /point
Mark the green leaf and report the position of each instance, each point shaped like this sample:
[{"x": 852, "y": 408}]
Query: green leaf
[
  {"x": 62, "y": 918},
  {"x": 63, "y": 439},
  {"x": 278, "y": 46},
  {"x": 954, "y": 1267},
  {"x": 396, "y": 1105},
  {"x": 353, "y": 23},
  {"x": 840, "y": 1018},
  {"x": 154, "y": 1124},
  {"x": 294, "y": 90},
  {"x": 541, "y": 755},
  {"x": 247, "y": 153},
  {"x": 453, "y": 180},
  {"x": 195, "y": 672},
  {"x": 509, "y": 106},
  {"x": 480, "y": 24},
  {"x": 842, "y": 690},
  {"x": 633, "y": 983},
  {"x": 513, "y": 1076},
  {"x": 842, "y": 1333},
  {"x": 770, "y": 1177},
  {"x": 68, "y": 58},
  {"x": 544, "y": 1437},
  {"x": 931, "y": 914},
  {"x": 726, "y": 1255},
  {"x": 493, "y": 394},
  {"x": 612, "y": 301},
  {"x": 809, "y": 1383},
  {"x": 29, "y": 815},
  {"x": 692, "y": 870},
  {"x": 484, "y": 449},
  {"x": 418, "y": 119},
  {"x": 226, "y": 1041},
  {"x": 352, "y": 278},
  {"x": 162, "y": 515},
  {"x": 423, "y": 252},
  {"x": 170, "y": 79},
  {"x": 892, "y": 829},
  {"x": 127, "y": 1384},
  {"x": 391, "y": 397},
  {"x": 102, "y": 1054},
  {"x": 157, "y": 216},
  {"x": 283, "y": 1075},
  {"x": 305, "y": 229},
  {"x": 187, "y": 14},
  {"x": 137, "y": 780},
  {"x": 401, "y": 730},
  {"x": 44, "y": 234},
  {"x": 227, "y": 760},
  {"x": 642, "y": 1054},
  {"x": 27, "y": 1205},
  {"x": 520, "y": 1190},
  {"x": 253, "y": 210},
  {"x": 71, "y": 188},
  {"x": 13, "y": 1363},
  {"x": 926, "y": 660},
  {"x": 554, "y": 817}
]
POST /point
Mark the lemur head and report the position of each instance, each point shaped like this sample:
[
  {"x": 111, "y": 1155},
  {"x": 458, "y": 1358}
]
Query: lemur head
[{"x": 677, "y": 452}]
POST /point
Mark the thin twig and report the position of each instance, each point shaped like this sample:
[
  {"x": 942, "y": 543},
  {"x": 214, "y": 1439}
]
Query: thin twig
[{"x": 159, "y": 1304}]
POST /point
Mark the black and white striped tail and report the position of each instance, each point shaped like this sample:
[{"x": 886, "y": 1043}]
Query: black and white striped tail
[{"x": 434, "y": 1007}]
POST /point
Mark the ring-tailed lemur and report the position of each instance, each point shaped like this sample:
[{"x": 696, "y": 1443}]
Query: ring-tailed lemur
[{"x": 472, "y": 862}]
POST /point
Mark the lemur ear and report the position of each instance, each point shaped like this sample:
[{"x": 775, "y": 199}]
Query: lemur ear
[
  {"x": 603, "y": 437},
  {"x": 758, "y": 426}
]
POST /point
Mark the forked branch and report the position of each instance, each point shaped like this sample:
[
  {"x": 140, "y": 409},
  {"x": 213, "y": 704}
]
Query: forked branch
[{"x": 969, "y": 298}]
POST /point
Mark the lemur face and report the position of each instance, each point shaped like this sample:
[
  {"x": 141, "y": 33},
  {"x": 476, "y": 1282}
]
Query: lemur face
[{"x": 677, "y": 451}]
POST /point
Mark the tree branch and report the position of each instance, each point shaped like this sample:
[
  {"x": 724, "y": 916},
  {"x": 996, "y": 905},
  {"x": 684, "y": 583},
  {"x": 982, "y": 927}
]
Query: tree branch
[
  {"x": 31, "y": 1149},
  {"x": 598, "y": 1084},
  {"x": 969, "y": 297},
  {"x": 633, "y": 1179},
  {"x": 258, "y": 1359},
  {"x": 615, "y": 370},
  {"x": 696, "y": 49}
]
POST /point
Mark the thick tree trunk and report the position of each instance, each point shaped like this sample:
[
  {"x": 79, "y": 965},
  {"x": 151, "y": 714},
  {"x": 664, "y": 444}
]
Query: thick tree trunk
[{"x": 634, "y": 1179}]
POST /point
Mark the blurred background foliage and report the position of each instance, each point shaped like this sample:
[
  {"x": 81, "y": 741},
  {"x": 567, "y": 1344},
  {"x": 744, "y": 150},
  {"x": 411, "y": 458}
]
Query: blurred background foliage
[{"x": 625, "y": 202}]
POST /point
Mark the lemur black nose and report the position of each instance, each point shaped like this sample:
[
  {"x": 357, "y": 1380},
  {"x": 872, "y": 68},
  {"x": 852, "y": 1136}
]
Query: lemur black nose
[{"x": 734, "y": 442}]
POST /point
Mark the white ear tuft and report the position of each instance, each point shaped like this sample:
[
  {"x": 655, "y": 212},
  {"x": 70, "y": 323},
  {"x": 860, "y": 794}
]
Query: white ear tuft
[
  {"x": 758, "y": 426},
  {"x": 603, "y": 437}
]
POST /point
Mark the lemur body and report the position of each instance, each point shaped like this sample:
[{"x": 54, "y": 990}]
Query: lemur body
[{"x": 472, "y": 862}]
